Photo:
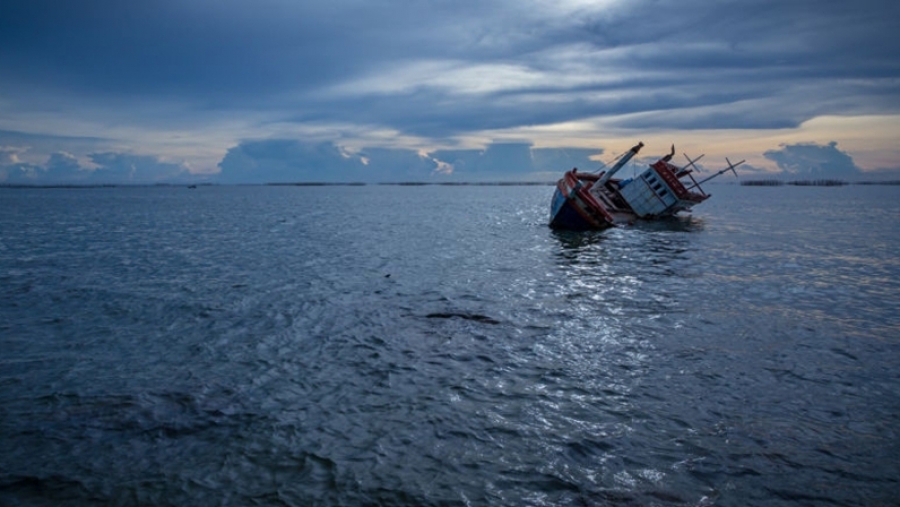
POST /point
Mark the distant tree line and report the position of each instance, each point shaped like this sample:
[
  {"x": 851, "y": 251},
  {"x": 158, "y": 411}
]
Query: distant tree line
[{"x": 812, "y": 183}]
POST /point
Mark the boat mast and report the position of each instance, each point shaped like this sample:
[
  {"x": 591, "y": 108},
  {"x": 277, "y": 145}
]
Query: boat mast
[
  {"x": 723, "y": 171},
  {"x": 622, "y": 161}
]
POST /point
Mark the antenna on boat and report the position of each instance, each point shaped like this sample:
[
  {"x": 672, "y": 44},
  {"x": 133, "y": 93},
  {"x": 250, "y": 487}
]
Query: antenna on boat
[
  {"x": 723, "y": 171},
  {"x": 732, "y": 166},
  {"x": 691, "y": 162}
]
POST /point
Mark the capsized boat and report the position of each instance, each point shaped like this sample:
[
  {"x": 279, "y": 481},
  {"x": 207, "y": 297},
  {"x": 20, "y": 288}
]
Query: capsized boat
[{"x": 588, "y": 201}]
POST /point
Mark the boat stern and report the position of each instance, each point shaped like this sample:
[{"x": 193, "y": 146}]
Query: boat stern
[{"x": 572, "y": 207}]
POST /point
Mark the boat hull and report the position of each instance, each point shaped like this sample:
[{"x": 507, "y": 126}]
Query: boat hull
[{"x": 573, "y": 208}]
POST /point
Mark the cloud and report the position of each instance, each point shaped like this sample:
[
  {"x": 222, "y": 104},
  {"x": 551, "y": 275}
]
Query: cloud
[
  {"x": 496, "y": 159},
  {"x": 63, "y": 168},
  {"x": 692, "y": 65},
  {"x": 168, "y": 78},
  {"x": 9, "y": 155},
  {"x": 515, "y": 161},
  {"x": 13, "y": 170},
  {"x": 288, "y": 160},
  {"x": 469, "y": 59},
  {"x": 394, "y": 165},
  {"x": 814, "y": 161},
  {"x": 127, "y": 168}
]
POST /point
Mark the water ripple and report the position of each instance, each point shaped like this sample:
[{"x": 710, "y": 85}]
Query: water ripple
[{"x": 241, "y": 345}]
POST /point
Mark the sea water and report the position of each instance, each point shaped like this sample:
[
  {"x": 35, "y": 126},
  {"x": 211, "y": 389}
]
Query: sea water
[{"x": 440, "y": 345}]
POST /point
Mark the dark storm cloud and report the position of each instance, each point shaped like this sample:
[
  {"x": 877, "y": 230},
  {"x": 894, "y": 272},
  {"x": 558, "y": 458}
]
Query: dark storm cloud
[
  {"x": 668, "y": 56},
  {"x": 683, "y": 65},
  {"x": 227, "y": 50},
  {"x": 188, "y": 48},
  {"x": 436, "y": 70}
]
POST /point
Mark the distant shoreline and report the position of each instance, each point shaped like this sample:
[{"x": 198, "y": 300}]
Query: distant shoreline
[
  {"x": 745, "y": 183},
  {"x": 813, "y": 183},
  {"x": 293, "y": 184}
]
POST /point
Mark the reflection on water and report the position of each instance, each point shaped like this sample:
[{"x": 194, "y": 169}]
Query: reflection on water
[
  {"x": 648, "y": 247},
  {"x": 677, "y": 224},
  {"x": 573, "y": 241}
]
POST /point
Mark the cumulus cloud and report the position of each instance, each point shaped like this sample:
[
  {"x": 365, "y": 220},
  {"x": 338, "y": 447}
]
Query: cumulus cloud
[
  {"x": 286, "y": 160},
  {"x": 289, "y": 160},
  {"x": 496, "y": 159},
  {"x": 13, "y": 170},
  {"x": 813, "y": 160},
  {"x": 127, "y": 168},
  {"x": 9, "y": 155},
  {"x": 505, "y": 161},
  {"x": 16, "y": 171},
  {"x": 63, "y": 168}
]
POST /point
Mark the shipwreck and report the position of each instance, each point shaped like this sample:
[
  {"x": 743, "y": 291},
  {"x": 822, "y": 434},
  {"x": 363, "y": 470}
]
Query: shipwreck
[{"x": 594, "y": 201}]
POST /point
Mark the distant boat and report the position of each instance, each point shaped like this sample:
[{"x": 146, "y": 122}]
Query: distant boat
[{"x": 587, "y": 201}]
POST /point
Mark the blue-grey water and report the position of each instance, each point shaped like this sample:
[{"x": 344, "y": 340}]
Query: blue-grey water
[{"x": 418, "y": 346}]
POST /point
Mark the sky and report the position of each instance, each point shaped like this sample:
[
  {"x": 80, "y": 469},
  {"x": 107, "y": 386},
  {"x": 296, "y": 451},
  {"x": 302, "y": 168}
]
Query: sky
[{"x": 229, "y": 91}]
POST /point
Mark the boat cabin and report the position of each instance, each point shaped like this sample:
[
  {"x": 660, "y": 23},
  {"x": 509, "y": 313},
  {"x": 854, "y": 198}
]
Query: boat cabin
[{"x": 659, "y": 191}]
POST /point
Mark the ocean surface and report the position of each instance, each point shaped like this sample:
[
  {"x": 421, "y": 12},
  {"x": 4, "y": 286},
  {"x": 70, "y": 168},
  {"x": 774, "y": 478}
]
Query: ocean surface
[{"x": 441, "y": 346}]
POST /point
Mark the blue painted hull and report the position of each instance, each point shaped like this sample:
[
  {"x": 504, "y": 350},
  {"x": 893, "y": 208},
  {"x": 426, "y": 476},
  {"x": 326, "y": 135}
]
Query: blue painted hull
[
  {"x": 565, "y": 215},
  {"x": 571, "y": 208}
]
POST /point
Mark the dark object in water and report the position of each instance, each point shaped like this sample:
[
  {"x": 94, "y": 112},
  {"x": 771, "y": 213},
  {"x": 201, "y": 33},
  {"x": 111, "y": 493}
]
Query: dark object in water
[{"x": 468, "y": 316}]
